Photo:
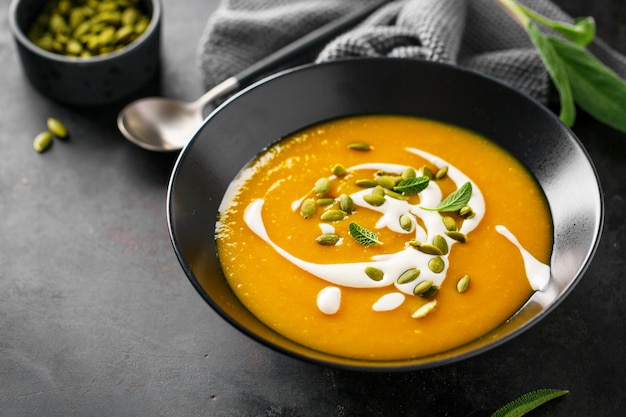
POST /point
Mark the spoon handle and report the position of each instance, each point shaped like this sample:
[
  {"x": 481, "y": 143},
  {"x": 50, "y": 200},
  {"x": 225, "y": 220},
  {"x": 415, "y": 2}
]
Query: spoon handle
[{"x": 305, "y": 43}]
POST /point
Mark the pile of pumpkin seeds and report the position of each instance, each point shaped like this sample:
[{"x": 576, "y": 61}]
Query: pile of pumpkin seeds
[{"x": 86, "y": 28}]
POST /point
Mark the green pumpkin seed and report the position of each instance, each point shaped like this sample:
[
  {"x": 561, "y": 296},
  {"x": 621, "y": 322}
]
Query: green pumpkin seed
[
  {"x": 339, "y": 170},
  {"x": 333, "y": 215},
  {"x": 57, "y": 128},
  {"x": 436, "y": 264},
  {"x": 386, "y": 181},
  {"x": 458, "y": 236},
  {"x": 374, "y": 273},
  {"x": 449, "y": 223},
  {"x": 431, "y": 292},
  {"x": 326, "y": 201},
  {"x": 422, "y": 287},
  {"x": 466, "y": 212},
  {"x": 463, "y": 284},
  {"x": 442, "y": 172},
  {"x": 378, "y": 191},
  {"x": 424, "y": 309},
  {"x": 415, "y": 243},
  {"x": 308, "y": 208},
  {"x": 327, "y": 239},
  {"x": 346, "y": 203},
  {"x": 395, "y": 195},
  {"x": 408, "y": 276},
  {"x": 408, "y": 173},
  {"x": 42, "y": 141},
  {"x": 427, "y": 172},
  {"x": 406, "y": 223},
  {"x": 364, "y": 183},
  {"x": 359, "y": 146},
  {"x": 374, "y": 200},
  {"x": 441, "y": 243},
  {"x": 322, "y": 187},
  {"x": 429, "y": 249}
]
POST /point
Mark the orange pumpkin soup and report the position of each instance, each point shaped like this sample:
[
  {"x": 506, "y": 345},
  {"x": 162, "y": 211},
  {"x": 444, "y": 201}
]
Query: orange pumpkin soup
[{"x": 384, "y": 237}]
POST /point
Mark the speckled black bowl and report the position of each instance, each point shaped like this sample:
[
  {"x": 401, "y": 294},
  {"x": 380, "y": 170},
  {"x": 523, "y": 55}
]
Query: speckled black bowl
[
  {"x": 87, "y": 81},
  {"x": 283, "y": 104}
]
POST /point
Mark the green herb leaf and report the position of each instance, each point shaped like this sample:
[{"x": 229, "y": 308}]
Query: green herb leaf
[
  {"x": 557, "y": 71},
  {"x": 528, "y": 402},
  {"x": 596, "y": 89},
  {"x": 455, "y": 201},
  {"x": 412, "y": 185},
  {"x": 581, "y": 32},
  {"x": 362, "y": 235}
]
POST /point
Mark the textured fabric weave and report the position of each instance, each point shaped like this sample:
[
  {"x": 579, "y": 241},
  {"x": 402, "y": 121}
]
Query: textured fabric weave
[{"x": 475, "y": 34}]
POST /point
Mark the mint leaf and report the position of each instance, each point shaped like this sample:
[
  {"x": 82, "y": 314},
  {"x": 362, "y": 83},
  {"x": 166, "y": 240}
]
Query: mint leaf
[
  {"x": 528, "y": 402},
  {"x": 455, "y": 201},
  {"x": 362, "y": 235},
  {"x": 596, "y": 89},
  {"x": 412, "y": 185}
]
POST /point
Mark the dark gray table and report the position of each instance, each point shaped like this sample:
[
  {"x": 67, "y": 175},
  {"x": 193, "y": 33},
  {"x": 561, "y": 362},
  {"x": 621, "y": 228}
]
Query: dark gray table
[{"x": 98, "y": 319}]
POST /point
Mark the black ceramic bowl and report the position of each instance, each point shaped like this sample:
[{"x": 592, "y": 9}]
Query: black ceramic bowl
[
  {"x": 287, "y": 102},
  {"x": 87, "y": 81}
]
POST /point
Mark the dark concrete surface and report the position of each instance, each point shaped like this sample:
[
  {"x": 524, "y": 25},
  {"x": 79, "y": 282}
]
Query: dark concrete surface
[{"x": 98, "y": 319}]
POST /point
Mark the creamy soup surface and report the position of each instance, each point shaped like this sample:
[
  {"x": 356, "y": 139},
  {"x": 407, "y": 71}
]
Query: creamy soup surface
[{"x": 384, "y": 237}]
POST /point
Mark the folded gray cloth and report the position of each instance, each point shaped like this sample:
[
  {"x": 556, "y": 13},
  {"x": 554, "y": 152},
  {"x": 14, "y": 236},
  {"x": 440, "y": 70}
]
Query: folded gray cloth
[{"x": 475, "y": 34}]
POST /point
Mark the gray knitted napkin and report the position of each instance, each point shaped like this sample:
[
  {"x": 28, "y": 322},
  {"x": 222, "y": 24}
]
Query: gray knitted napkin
[{"x": 475, "y": 34}]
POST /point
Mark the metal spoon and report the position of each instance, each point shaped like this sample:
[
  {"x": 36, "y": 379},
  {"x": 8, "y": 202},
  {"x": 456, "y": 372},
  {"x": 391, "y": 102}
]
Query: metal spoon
[{"x": 162, "y": 124}]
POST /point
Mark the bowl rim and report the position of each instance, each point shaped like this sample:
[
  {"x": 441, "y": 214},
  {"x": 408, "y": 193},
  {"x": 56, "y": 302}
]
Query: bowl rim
[
  {"x": 400, "y": 365},
  {"x": 22, "y": 39}
]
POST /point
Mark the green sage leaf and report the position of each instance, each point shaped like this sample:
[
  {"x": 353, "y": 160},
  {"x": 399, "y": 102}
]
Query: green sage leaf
[
  {"x": 412, "y": 185},
  {"x": 557, "y": 71},
  {"x": 362, "y": 235},
  {"x": 528, "y": 402},
  {"x": 456, "y": 200},
  {"x": 596, "y": 89},
  {"x": 581, "y": 32}
]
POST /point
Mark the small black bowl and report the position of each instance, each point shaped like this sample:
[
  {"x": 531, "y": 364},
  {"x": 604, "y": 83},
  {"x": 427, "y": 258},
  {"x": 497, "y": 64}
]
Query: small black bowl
[
  {"x": 283, "y": 104},
  {"x": 87, "y": 81}
]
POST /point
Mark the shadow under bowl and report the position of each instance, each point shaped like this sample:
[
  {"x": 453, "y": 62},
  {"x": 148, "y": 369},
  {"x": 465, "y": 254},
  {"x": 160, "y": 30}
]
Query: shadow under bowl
[
  {"x": 93, "y": 81},
  {"x": 284, "y": 104}
]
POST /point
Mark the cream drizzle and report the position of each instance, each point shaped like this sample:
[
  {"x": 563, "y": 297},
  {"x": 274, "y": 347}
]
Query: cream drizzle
[{"x": 394, "y": 264}]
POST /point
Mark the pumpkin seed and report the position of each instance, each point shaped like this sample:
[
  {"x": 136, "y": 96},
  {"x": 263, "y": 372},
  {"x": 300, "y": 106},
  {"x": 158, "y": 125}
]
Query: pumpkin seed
[
  {"x": 374, "y": 200},
  {"x": 429, "y": 249},
  {"x": 346, "y": 203},
  {"x": 424, "y": 309},
  {"x": 339, "y": 170},
  {"x": 374, "y": 273},
  {"x": 408, "y": 173},
  {"x": 408, "y": 276},
  {"x": 441, "y": 243},
  {"x": 449, "y": 223},
  {"x": 442, "y": 172},
  {"x": 322, "y": 186},
  {"x": 386, "y": 181},
  {"x": 333, "y": 215},
  {"x": 365, "y": 183},
  {"x": 406, "y": 223},
  {"x": 308, "y": 208},
  {"x": 57, "y": 128},
  {"x": 359, "y": 146},
  {"x": 378, "y": 191},
  {"x": 431, "y": 292},
  {"x": 463, "y": 284},
  {"x": 458, "y": 236},
  {"x": 427, "y": 172},
  {"x": 436, "y": 264},
  {"x": 422, "y": 287},
  {"x": 395, "y": 195},
  {"x": 326, "y": 201},
  {"x": 466, "y": 212},
  {"x": 42, "y": 141},
  {"x": 327, "y": 239},
  {"x": 415, "y": 243}
]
